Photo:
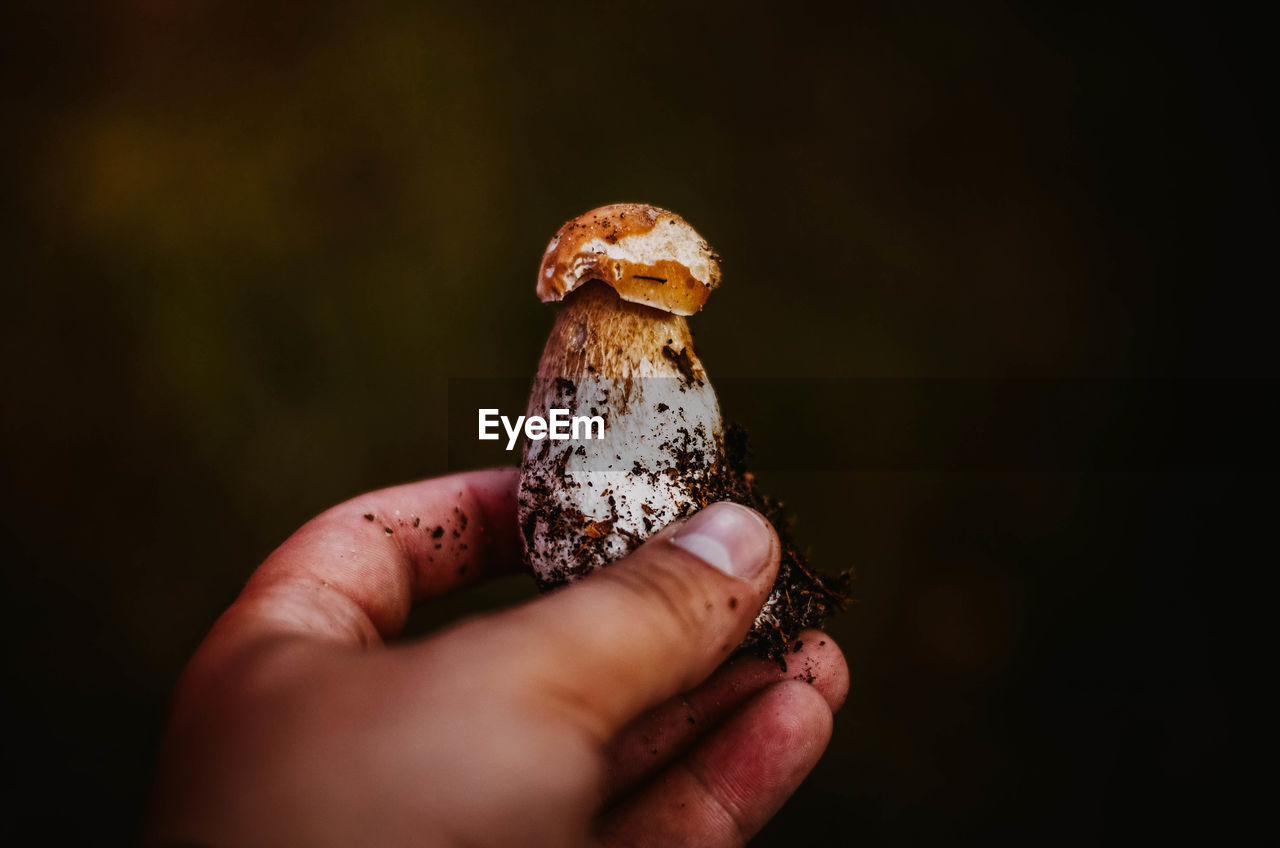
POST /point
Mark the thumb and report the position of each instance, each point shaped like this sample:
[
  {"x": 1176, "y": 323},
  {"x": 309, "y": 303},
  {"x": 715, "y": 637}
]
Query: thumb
[{"x": 653, "y": 624}]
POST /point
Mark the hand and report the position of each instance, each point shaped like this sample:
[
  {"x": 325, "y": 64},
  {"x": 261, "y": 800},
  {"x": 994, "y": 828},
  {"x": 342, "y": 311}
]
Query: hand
[{"x": 557, "y": 722}]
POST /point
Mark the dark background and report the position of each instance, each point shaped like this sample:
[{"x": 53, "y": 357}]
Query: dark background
[{"x": 248, "y": 245}]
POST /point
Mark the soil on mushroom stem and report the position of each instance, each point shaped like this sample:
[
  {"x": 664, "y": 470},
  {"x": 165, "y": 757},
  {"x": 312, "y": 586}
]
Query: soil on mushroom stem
[{"x": 802, "y": 597}]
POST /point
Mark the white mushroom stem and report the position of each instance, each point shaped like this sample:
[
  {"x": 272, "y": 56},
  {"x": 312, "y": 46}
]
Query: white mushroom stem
[{"x": 586, "y": 502}]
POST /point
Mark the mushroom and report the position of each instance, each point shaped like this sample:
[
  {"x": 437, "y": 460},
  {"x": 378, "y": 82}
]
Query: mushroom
[{"x": 620, "y": 349}]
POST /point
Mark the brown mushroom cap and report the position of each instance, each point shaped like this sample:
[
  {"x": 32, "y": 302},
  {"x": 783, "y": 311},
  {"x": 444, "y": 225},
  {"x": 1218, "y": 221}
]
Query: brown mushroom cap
[{"x": 648, "y": 255}]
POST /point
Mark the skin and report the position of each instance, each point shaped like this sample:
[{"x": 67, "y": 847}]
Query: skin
[{"x": 601, "y": 714}]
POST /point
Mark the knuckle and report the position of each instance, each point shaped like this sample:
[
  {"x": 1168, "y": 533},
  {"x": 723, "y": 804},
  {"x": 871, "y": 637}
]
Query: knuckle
[
  {"x": 670, "y": 590},
  {"x": 723, "y": 811}
]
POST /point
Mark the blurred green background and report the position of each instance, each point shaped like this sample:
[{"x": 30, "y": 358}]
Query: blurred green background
[{"x": 248, "y": 244}]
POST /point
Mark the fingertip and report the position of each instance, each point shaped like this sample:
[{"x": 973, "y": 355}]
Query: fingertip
[
  {"x": 803, "y": 718},
  {"x": 732, "y": 538},
  {"x": 820, "y": 663},
  {"x": 768, "y": 747}
]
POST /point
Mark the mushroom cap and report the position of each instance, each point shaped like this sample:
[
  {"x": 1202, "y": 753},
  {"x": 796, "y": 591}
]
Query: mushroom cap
[{"x": 648, "y": 255}]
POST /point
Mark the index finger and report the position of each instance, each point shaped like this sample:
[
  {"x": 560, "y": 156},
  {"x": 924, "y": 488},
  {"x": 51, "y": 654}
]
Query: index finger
[{"x": 353, "y": 572}]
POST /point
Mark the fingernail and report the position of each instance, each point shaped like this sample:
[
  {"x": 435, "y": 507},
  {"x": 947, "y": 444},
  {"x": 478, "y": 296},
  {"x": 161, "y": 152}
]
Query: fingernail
[{"x": 730, "y": 537}]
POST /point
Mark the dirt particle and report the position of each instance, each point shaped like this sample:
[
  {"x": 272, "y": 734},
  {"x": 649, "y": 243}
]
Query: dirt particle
[
  {"x": 368, "y": 516},
  {"x": 437, "y": 533},
  {"x": 682, "y": 361}
]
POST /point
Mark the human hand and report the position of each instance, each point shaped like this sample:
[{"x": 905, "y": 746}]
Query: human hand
[{"x": 558, "y": 722}]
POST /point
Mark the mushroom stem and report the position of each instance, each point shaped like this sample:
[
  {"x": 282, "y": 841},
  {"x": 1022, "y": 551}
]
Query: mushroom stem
[
  {"x": 596, "y": 332},
  {"x": 588, "y": 501}
]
